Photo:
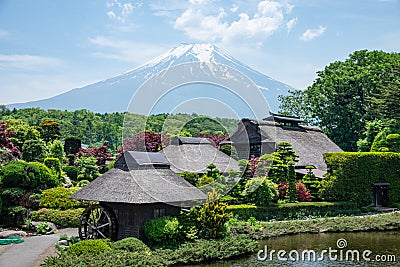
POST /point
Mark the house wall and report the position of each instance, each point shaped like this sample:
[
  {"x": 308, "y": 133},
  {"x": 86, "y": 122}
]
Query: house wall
[{"x": 132, "y": 217}]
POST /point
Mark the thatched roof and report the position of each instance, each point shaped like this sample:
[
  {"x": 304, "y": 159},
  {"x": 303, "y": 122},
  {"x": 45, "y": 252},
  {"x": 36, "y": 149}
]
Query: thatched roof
[
  {"x": 194, "y": 154},
  {"x": 143, "y": 184},
  {"x": 309, "y": 142}
]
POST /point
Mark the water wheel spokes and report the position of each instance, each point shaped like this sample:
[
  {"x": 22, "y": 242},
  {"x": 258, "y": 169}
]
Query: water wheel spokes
[{"x": 98, "y": 221}]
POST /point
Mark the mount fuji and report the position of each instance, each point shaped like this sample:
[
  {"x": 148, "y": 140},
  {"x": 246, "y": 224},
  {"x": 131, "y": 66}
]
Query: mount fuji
[{"x": 114, "y": 94}]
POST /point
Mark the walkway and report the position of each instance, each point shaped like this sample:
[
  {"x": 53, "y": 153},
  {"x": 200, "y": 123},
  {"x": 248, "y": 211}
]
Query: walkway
[{"x": 25, "y": 254}]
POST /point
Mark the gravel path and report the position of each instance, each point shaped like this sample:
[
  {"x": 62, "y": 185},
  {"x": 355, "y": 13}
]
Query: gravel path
[{"x": 33, "y": 251}]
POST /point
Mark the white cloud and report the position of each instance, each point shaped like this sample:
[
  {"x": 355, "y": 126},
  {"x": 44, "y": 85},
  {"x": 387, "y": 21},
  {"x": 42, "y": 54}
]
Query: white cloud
[
  {"x": 28, "y": 62},
  {"x": 119, "y": 10},
  {"x": 310, "y": 34},
  {"x": 234, "y": 8},
  {"x": 291, "y": 23},
  {"x": 200, "y": 22},
  {"x": 134, "y": 52}
]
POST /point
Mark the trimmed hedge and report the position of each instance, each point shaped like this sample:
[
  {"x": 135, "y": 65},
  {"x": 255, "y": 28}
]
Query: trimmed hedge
[
  {"x": 86, "y": 247},
  {"x": 289, "y": 211},
  {"x": 353, "y": 173},
  {"x": 58, "y": 198},
  {"x": 131, "y": 244},
  {"x": 63, "y": 218}
]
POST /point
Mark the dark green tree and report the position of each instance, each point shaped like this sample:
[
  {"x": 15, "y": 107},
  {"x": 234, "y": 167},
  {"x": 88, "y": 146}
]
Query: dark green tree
[
  {"x": 339, "y": 100},
  {"x": 34, "y": 150}
]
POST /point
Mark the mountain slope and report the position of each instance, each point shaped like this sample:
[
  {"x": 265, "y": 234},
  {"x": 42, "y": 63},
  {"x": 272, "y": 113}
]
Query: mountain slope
[{"x": 114, "y": 94}]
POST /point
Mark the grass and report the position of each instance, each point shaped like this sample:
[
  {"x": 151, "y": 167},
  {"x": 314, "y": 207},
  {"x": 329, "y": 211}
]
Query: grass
[{"x": 263, "y": 230}]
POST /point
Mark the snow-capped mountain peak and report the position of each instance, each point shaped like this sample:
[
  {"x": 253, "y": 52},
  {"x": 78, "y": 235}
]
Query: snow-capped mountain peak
[{"x": 114, "y": 94}]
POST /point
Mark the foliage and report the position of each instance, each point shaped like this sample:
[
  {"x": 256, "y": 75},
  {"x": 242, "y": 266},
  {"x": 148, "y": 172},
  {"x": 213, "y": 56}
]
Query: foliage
[
  {"x": 146, "y": 141},
  {"x": 88, "y": 247},
  {"x": 72, "y": 145},
  {"x": 301, "y": 193},
  {"x": 88, "y": 169},
  {"x": 162, "y": 230},
  {"x": 72, "y": 172},
  {"x": 54, "y": 165},
  {"x": 63, "y": 218},
  {"x": 34, "y": 150},
  {"x": 293, "y": 211},
  {"x": 42, "y": 228},
  {"x": 21, "y": 131},
  {"x": 260, "y": 191},
  {"x": 191, "y": 177},
  {"x": 352, "y": 176},
  {"x": 131, "y": 244},
  {"x": 347, "y": 94},
  {"x": 27, "y": 175},
  {"x": 55, "y": 150},
  {"x": 58, "y": 198},
  {"x": 5, "y": 142},
  {"x": 200, "y": 251},
  {"x": 282, "y": 170},
  {"x": 380, "y": 222},
  {"x": 230, "y": 151},
  {"x": 50, "y": 130},
  {"x": 210, "y": 218},
  {"x": 99, "y": 153},
  {"x": 203, "y": 251},
  {"x": 385, "y": 102},
  {"x": 82, "y": 183}
]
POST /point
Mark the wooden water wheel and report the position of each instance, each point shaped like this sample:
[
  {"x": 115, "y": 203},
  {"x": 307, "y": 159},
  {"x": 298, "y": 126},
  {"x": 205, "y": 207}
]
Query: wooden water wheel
[{"x": 98, "y": 221}]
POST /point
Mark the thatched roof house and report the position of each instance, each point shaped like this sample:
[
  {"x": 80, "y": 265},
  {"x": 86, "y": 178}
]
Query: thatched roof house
[
  {"x": 257, "y": 137},
  {"x": 194, "y": 154},
  {"x": 141, "y": 186}
]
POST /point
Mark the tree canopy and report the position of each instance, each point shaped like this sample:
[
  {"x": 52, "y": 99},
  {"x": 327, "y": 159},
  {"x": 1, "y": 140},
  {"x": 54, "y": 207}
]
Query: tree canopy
[{"x": 347, "y": 94}]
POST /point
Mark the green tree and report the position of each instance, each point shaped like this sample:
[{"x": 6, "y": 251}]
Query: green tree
[
  {"x": 339, "y": 100},
  {"x": 260, "y": 191},
  {"x": 55, "y": 149},
  {"x": 88, "y": 169},
  {"x": 50, "y": 130},
  {"x": 34, "y": 150}
]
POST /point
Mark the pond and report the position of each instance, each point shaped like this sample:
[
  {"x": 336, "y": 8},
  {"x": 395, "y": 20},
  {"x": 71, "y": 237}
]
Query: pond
[{"x": 337, "y": 249}]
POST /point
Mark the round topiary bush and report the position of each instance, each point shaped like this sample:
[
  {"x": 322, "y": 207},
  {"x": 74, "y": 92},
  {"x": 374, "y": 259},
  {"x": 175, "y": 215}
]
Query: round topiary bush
[
  {"x": 131, "y": 244},
  {"x": 72, "y": 172},
  {"x": 88, "y": 247}
]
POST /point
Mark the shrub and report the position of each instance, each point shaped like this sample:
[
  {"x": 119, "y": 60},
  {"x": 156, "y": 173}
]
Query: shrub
[
  {"x": 88, "y": 247},
  {"x": 288, "y": 211},
  {"x": 34, "y": 150},
  {"x": 353, "y": 173},
  {"x": 42, "y": 228},
  {"x": 162, "y": 230},
  {"x": 82, "y": 183},
  {"x": 58, "y": 198},
  {"x": 11, "y": 196},
  {"x": 72, "y": 172},
  {"x": 210, "y": 218},
  {"x": 131, "y": 244},
  {"x": 260, "y": 191},
  {"x": 25, "y": 175},
  {"x": 54, "y": 165},
  {"x": 191, "y": 177},
  {"x": 61, "y": 218},
  {"x": 202, "y": 250}
]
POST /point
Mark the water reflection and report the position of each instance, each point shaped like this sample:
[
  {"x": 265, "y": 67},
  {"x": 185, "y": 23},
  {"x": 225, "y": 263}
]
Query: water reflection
[{"x": 380, "y": 243}]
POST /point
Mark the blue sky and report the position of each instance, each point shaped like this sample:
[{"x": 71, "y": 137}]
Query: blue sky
[{"x": 48, "y": 47}]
